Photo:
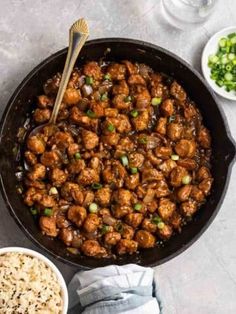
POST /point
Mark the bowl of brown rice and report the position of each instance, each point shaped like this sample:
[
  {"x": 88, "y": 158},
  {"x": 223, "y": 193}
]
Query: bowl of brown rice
[{"x": 30, "y": 283}]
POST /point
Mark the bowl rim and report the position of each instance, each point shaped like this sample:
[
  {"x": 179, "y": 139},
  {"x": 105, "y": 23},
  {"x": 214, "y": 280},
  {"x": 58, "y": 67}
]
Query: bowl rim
[
  {"x": 48, "y": 262},
  {"x": 205, "y": 53},
  {"x": 145, "y": 45}
]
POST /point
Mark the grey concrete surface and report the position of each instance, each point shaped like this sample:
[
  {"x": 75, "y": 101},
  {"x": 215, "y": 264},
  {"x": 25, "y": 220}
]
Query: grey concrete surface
[{"x": 203, "y": 278}]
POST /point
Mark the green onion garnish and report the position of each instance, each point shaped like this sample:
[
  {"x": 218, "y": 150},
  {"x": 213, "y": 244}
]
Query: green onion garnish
[
  {"x": 127, "y": 99},
  {"x": 77, "y": 156},
  {"x": 124, "y": 160},
  {"x": 171, "y": 119},
  {"x": 160, "y": 225},
  {"x": 89, "y": 80},
  {"x": 33, "y": 211},
  {"x": 138, "y": 206},
  {"x": 110, "y": 127},
  {"x": 53, "y": 191},
  {"x": 119, "y": 227},
  {"x": 48, "y": 212},
  {"x": 156, "y": 101},
  {"x": 175, "y": 157},
  {"x": 142, "y": 140},
  {"x": 186, "y": 179},
  {"x": 107, "y": 77},
  {"x": 103, "y": 97},
  {"x": 134, "y": 170},
  {"x": 96, "y": 186},
  {"x": 156, "y": 220},
  {"x": 134, "y": 113},
  {"x": 93, "y": 208},
  {"x": 90, "y": 114},
  {"x": 105, "y": 229}
]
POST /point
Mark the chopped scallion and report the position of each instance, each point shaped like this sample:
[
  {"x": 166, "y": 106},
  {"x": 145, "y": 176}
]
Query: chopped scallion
[
  {"x": 48, "y": 212},
  {"x": 89, "y": 80},
  {"x": 156, "y": 101},
  {"x": 125, "y": 161},
  {"x": 93, "y": 208},
  {"x": 96, "y": 186}
]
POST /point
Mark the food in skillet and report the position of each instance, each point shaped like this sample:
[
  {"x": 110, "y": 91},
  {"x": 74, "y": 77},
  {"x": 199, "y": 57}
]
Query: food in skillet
[{"x": 126, "y": 166}]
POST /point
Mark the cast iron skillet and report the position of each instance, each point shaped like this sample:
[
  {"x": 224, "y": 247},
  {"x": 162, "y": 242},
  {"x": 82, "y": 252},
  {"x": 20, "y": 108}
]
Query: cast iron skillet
[{"x": 160, "y": 60}]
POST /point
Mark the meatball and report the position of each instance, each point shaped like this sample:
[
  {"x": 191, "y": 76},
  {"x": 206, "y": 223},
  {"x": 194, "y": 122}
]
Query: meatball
[
  {"x": 44, "y": 101},
  {"x": 76, "y": 166},
  {"x": 93, "y": 69},
  {"x": 70, "y": 190},
  {"x": 177, "y": 175},
  {"x": 111, "y": 139},
  {"x": 174, "y": 131},
  {"x": 203, "y": 173},
  {"x": 88, "y": 198},
  {"x": 161, "y": 126},
  {"x": 167, "y": 166},
  {"x": 90, "y": 139},
  {"x": 93, "y": 248},
  {"x": 166, "y": 208},
  {"x": 50, "y": 159},
  {"x": 58, "y": 177},
  {"x": 132, "y": 181},
  {"x": 186, "y": 148},
  {"x": 145, "y": 239},
  {"x": 189, "y": 164},
  {"x": 127, "y": 231},
  {"x": 125, "y": 246},
  {"x": 188, "y": 208},
  {"x": 36, "y": 144},
  {"x": 31, "y": 159},
  {"x": 136, "y": 79},
  {"x": 119, "y": 102},
  {"x": 112, "y": 238},
  {"x": 88, "y": 176},
  {"x": 204, "y": 138},
  {"x": 66, "y": 235},
  {"x": 72, "y": 96},
  {"x": 136, "y": 160},
  {"x": 121, "y": 88},
  {"x": 162, "y": 189},
  {"x": 141, "y": 122},
  {"x": 32, "y": 195},
  {"x": 62, "y": 221},
  {"x": 37, "y": 173},
  {"x": 197, "y": 194},
  {"x": 117, "y": 71},
  {"x": 177, "y": 91},
  {"x": 42, "y": 115},
  {"x": 167, "y": 107},
  {"x": 184, "y": 192},
  {"x": 148, "y": 225},
  {"x": 122, "y": 197},
  {"x": 77, "y": 214},
  {"x": 151, "y": 174},
  {"x": 103, "y": 196},
  {"x": 92, "y": 223},
  {"x": 163, "y": 152},
  {"x": 48, "y": 226},
  {"x": 121, "y": 211},
  {"x": 61, "y": 139},
  {"x": 46, "y": 201},
  {"x": 205, "y": 185},
  {"x": 134, "y": 219},
  {"x": 166, "y": 232}
]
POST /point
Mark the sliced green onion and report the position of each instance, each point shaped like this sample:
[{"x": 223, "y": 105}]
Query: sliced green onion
[
  {"x": 138, "y": 206},
  {"x": 125, "y": 161},
  {"x": 105, "y": 229},
  {"x": 53, "y": 191},
  {"x": 231, "y": 56},
  {"x": 213, "y": 58},
  {"x": 142, "y": 140},
  {"x": 119, "y": 227},
  {"x": 33, "y": 211},
  {"x": 175, "y": 157},
  {"x": 156, "y": 101},
  {"x": 96, "y": 186},
  {"x": 110, "y": 127},
  {"x": 89, "y": 80},
  {"x": 93, "y": 208},
  {"x": 103, "y": 97},
  {"x": 160, "y": 225},
  {"x": 186, "y": 179},
  {"x": 222, "y": 42},
  {"x": 107, "y": 77},
  {"x": 90, "y": 114},
  {"x": 127, "y": 99},
  {"x": 48, "y": 212},
  {"x": 77, "y": 156},
  {"x": 134, "y": 170},
  {"x": 171, "y": 119},
  {"x": 228, "y": 76},
  {"x": 134, "y": 113},
  {"x": 156, "y": 220}
]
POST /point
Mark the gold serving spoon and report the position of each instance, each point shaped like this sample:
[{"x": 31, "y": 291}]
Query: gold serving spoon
[{"x": 78, "y": 34}]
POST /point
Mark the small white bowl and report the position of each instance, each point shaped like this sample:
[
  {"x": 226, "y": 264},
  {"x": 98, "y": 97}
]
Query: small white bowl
[
  {"x": 211, "y": 48},
  {"x": 49, "y": 264}
]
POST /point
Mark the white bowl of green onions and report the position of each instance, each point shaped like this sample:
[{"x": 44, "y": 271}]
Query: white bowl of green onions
[{"x": 219, "y": 62}]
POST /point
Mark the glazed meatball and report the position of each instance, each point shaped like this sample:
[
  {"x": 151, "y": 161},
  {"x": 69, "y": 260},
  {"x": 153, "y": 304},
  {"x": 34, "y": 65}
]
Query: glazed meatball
[
  {"x": 66, "y": 235},
  {"x": 30, "y": 157},
  {"x": 166, "y": 232},
  {"x": 88, "y": 176},
  {"x": 93, "y": 69},
  {"x": 90, "y": 139},
  {"x": 161, "y": 126},
  {"x": 72, "y": 96},
  {"x": 186, "y": 148},
  {"x": 42, "y": 115},
  {"x": 127, "y": 232},
  {"x": 126, "y": 246},
  {"x": 103, "y": 196},
  {"x": 174, "y": 131},
  {"x": 93, "y": 248},
  {"x": 177, "y": 175},
  {"x": 184, "y": 192},
  {"x": 122, "y": 197},
  {"x": 177, "y": 91},
  {"x": 149, "y": 226},
  {"x": 38, "y": 172},
  {"x": 58, "y": 177},
  {"x": 188, "y": 208},
  {"x": 48, "y": 226},
  {"x": 167, "y": 107},
  {"x": 77, "y": 214},
  {"x": 145, "y": 239},
  {"x": 50, "y": 159},
  {"x": 112, "y": 238},
  {"x": 91, "y": 223},
  {"x": 36, "y": 144},
  {"x": 166, "y": 208},
  {"x": 134, "y": 219},
  {"x": 117, "y": 71}
]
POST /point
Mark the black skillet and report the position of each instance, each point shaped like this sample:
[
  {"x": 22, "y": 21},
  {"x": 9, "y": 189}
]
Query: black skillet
[{"x": 160, "y": 60}]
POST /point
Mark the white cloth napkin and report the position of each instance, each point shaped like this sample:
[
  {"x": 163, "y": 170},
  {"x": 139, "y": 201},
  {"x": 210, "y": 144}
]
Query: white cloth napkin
[{"x": 128, "y": 289}]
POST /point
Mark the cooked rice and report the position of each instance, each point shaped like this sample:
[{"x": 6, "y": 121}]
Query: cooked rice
[{"x": 28, "y": 285}]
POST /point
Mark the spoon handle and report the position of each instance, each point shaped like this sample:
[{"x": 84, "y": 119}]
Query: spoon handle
[{"x": 79, "y": 32}]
